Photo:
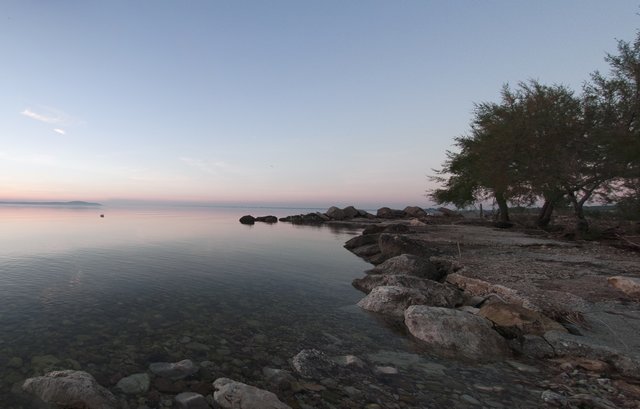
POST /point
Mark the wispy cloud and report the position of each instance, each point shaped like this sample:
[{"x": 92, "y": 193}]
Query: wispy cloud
[
  {"x": 47, "y": 118},
  {"x": 60, "y": 131}
]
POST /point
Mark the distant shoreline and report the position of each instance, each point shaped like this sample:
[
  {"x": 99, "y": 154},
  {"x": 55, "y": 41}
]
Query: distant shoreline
[{"x": 72, "y": 203}]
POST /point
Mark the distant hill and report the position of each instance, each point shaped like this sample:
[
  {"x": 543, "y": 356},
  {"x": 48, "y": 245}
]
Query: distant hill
[{"x": 72, "y": 203}]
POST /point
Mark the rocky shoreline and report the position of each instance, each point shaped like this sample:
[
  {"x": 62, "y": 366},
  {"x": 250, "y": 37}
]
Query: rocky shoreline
[{"x": 561, "y": 316}]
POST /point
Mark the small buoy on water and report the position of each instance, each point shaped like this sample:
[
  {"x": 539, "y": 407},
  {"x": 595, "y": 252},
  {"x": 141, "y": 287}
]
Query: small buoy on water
[{"x": 102, "y": 215}]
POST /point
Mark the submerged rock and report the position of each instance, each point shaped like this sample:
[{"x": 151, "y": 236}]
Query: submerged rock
[
  {"x": 174, "y": 371},
  {"x": 190, "y": 400},
  {"x": 135, "y": 384},
  {"x": 281, "y": 379},
  {"x": 393, "y": 300},
  {"x": 314, "y": 364},
  {"x": 230, "y": 394},
  {"x": 456, "y": 333},
  {"x": 71, "y": 389}
]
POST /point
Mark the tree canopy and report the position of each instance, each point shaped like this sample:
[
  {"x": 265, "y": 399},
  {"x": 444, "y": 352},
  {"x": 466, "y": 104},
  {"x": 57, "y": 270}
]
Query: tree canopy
[{"x": 543, "y": 143}]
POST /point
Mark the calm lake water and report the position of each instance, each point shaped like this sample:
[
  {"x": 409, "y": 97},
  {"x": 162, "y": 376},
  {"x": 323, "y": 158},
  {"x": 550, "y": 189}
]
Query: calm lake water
[{"x": 111, "y": 295}]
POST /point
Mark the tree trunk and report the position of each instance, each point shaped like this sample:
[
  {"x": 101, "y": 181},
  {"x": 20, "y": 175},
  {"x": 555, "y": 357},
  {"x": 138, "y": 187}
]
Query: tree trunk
[
  {"x": 503, "y": 207},
  {"x": 582, "y": 225},
  {"x": 544, "y": 217},
  {"x": 550, "y": 200}
]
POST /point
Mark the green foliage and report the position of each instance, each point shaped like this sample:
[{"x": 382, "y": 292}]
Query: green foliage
[{"x": 542, "y": 142}]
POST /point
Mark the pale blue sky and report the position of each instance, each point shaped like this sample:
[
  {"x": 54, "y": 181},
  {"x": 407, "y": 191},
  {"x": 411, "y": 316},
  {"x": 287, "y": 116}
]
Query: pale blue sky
[{"x": 270, "y": 102}]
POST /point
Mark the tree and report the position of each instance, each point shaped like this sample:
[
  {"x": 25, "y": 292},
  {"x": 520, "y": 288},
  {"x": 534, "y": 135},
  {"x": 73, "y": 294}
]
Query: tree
[
  {"x": 484, "y": 165},
  {"x": 613, "y": 103}
]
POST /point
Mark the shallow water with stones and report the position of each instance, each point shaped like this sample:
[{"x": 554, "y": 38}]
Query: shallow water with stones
[{"x": 112, "y": 295}]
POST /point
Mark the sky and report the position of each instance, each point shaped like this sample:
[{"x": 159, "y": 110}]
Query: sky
[{"x": 314, "y": 103}]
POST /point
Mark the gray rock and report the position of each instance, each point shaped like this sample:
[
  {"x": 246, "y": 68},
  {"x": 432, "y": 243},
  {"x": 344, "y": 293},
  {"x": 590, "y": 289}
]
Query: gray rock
[
  {"x": 565, "y": 344},
  {"x": 248, "y": 219},
  {"x": 335, "y": 213},
  {"x": 72, "y": 389},
  {"x": 387, "y": 213},
  {"x": 410, "y": 265},
  {"x": 281, "y": 379},
  {"x": 415, "y": 211},
  {"x": 392, "y": 245},
  {"x": 532, "y": 346},
  {"x": 174, "y": 371},
  {"x": 393, "y": 300},
  {"x": 135, "y": 384},
  {"x": 190, "y": 400},
  {"x": 352, "y": 392},
  {"x": 386, "y": 370},
  {"x": 314, "y": 364},
  {"x": 362, "y": 240},
  {"x": 45, "y": 363},
  {"x": 552, "y": 397},
  {"x": 267, "y": 219},
  {"x": 230, "y": 394},
  {"x": 368, "y": 283},
  {"x": 456, "y": 333},
  {"x": 350, "y": 361},
  {"x": 366, "y": 250},
  {"x": 350, "y": 212}
]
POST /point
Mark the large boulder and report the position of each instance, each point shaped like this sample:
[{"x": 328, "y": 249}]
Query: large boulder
[
  {"x": 362, "y": 240},
  {"x": 174, "y": 370},
  {"x": 514, "y": 320},
  {"x": 409, "y": 264},
  {"x": 335, "y": 213},
  {"x": 435, "y": 293},
  {"x": 248, "y": 219},
  {"x": 350, "y": 212},
  {"x": 70, "y": 389},
  {"x": 477, "y": 287},
  {"x": 309, "y": 218},
  {"x": 628, "y": 285},
  {"x": 387, "y": 213},
  {"x": 393, "y": 300},
  {"x": 415, "y": 211},
  {"x": 314, "y": 364},
  {"x": 392, "y": 245},
  {"x": 230, "y": 394},
  {"x": 456, "y": 333},
  {"x": 267, "y": 219}
]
